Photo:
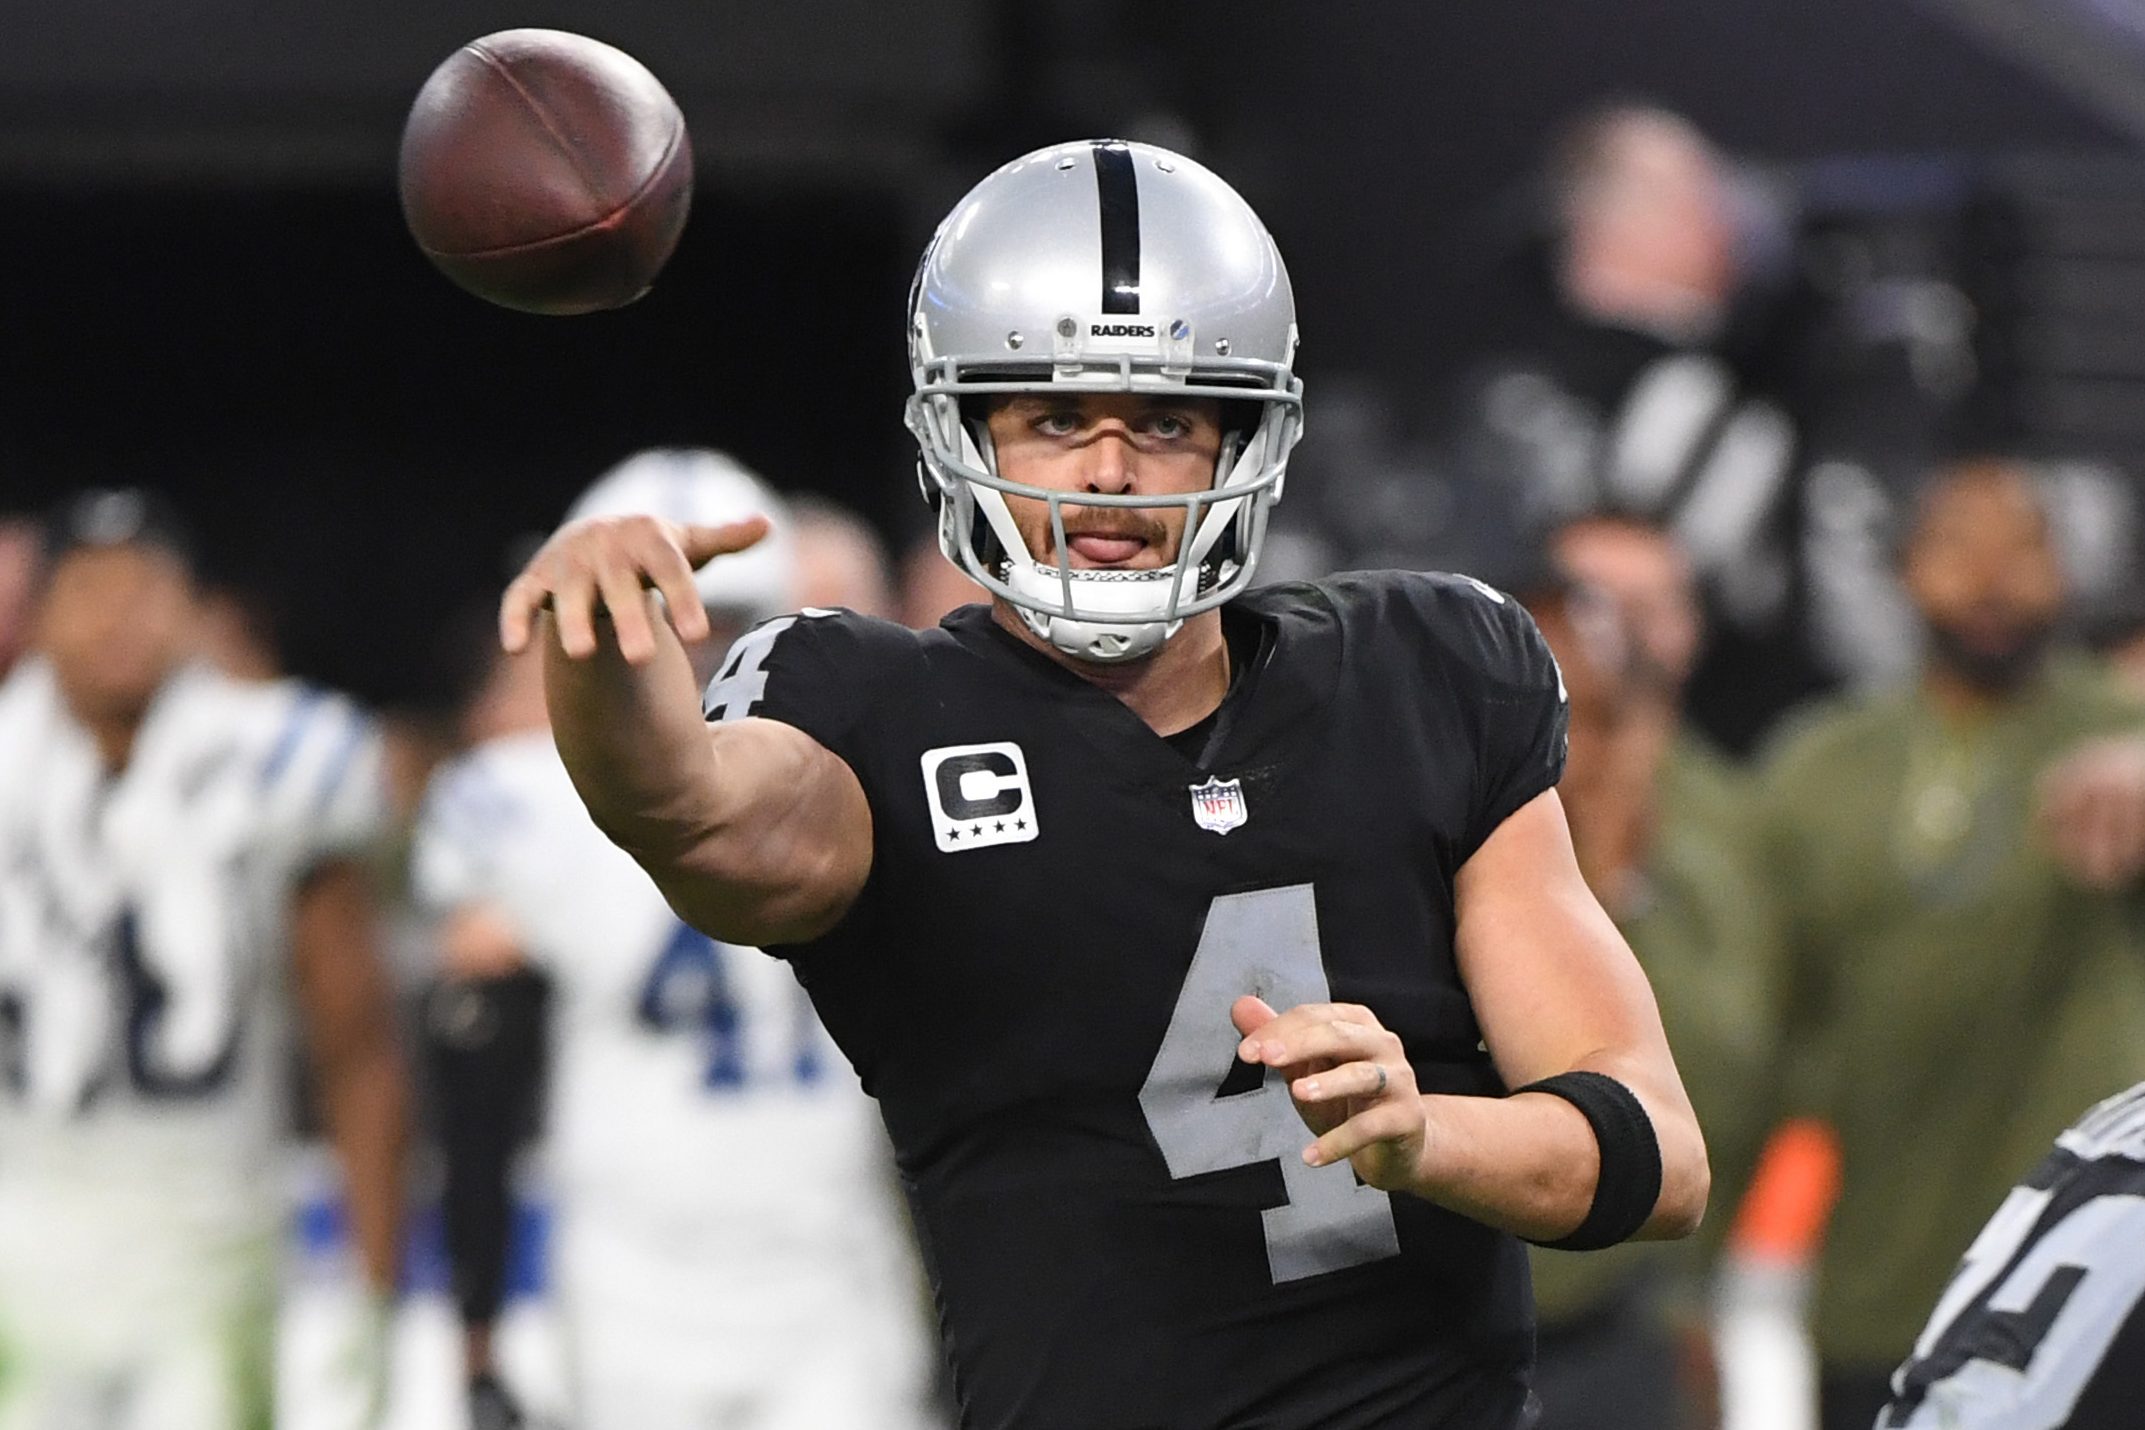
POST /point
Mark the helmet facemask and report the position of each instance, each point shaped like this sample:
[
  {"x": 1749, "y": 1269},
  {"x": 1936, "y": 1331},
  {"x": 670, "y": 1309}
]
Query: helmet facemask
[{"x": 1107, "y": 614}]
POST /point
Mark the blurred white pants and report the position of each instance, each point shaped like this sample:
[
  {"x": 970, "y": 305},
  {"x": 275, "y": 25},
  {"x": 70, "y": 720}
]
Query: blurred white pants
[
  {"x": 654, "y": 1339},
  {"x": 111, "y": 1321}
]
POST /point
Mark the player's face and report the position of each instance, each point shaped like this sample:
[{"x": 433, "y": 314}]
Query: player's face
[
  {"x": 116, "y": 621},
  {"x": 1983, "y": 571},
  {"x": 1109, "y": 443}
]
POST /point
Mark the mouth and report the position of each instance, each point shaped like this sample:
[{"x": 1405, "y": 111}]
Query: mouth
[{"x": 1095, "y": 548}]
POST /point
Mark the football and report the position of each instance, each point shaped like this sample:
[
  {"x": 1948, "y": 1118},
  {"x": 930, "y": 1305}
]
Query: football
[{"x": 546, "y": 172}]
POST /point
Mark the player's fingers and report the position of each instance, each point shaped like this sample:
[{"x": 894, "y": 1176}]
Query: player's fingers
[
  {"x": 1276, "y": 1037},
  {"x": 573, "y": 609},
  {"x": 518, "y": 605},
  {"x": 627, "y": 603},
  {"x": 1340, "y": 1041},
  {"x": 1387, "y": 1121},
  {"x": 667, "y": 570},
  {"x": 1357, "y": 1079},
  {"x": 704, "y": 543},
  {"x": 1250, "y": 1013}
]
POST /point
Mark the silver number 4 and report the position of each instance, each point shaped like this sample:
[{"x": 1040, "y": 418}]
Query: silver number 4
[
  {"x": 1265, "y": 943},
  {"x": 741, "y": 683}
]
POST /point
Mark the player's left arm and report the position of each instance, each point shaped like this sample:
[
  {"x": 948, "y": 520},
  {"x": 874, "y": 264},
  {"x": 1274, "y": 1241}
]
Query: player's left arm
[
  {"x": 346, "y": 1001},
  {"x": 1556, "y": 990}
]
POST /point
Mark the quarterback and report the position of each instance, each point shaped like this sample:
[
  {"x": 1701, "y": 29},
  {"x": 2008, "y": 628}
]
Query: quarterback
[{"x": 1217, "y": 955}]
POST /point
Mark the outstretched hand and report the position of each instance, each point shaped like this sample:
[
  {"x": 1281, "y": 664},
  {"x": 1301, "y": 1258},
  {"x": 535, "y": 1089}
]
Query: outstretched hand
[
  {"x": 606, "y": 565},
  {"x": 1350, "y": 1079},
  {"x": 2092, "y": 804}
]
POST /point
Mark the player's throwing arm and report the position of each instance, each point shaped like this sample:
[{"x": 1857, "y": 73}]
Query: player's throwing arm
[{"x": 755, "y": 832}]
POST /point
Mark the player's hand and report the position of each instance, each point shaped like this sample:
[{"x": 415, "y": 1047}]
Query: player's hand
[
  {"x": 1351, "y": 1081},
  {"x": 606, "y": 565},
  {"x": 2093, "y": 807}
]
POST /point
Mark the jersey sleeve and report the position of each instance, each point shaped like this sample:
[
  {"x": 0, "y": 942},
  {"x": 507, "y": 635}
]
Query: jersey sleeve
[
  {"x": 816, "y": 671},
  {"x": 1499, "y": 667},
  {"x": 322, "y": 779}
]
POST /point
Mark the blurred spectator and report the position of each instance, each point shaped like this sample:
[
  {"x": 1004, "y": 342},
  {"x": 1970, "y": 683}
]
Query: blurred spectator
[
  {"x": 931, "y": 586},
  {"x": 174, "y": 836},
  {"x": 1956, "y": 863},
  {"x": 1622, "y": 1339},
  {"x": 840, "y": 560},
  {"x": 1640, "y": 568},
  {"x": 19, "y": 553},
  {"x": 1665, "y": 377}
]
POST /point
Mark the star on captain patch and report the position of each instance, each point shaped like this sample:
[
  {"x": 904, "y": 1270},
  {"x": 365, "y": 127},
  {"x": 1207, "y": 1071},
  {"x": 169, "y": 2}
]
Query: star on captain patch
[{"x": 1218, "y": 805}]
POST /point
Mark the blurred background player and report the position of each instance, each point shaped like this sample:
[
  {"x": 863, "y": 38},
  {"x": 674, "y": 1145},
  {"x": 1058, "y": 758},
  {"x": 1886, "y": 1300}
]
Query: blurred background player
[
  {"x": 701, "y": 1279},
  {"x": 841, "y": 562},
  {"x": 182, "y": 861},
  {"x": 932, "y": 586},
  {"x": 1957, "y": 863},
  {"x": 1622, "y": 1337},
  {"x": 2045, "y": 1322}
]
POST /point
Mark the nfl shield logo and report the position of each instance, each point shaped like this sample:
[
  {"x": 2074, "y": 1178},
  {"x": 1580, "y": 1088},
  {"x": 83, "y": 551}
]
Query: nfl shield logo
[{"x": 1219, "y": 805}]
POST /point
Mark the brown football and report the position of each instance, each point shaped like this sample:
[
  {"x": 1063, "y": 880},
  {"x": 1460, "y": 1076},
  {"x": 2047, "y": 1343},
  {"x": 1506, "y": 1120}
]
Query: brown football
[{"x": 546, "y": 171}]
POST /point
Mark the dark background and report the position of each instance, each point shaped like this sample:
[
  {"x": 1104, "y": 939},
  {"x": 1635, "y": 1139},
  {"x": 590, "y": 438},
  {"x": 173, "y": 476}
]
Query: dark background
[{"x": 205, "y": 286}]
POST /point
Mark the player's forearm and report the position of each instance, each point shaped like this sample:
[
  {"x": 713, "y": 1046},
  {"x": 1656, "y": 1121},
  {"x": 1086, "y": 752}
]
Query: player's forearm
[
  {"x": 753, "y": 831},
  {"x": 633, "y": 740},
  {"x": 1529, "y": 1164}
]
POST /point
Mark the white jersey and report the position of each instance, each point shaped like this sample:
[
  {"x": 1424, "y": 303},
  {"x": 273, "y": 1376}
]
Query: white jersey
[
  {"x": 143, "y": 937},
  {"x": 697, "y": 1108},
  {"x": 2043, "y": 1327}
]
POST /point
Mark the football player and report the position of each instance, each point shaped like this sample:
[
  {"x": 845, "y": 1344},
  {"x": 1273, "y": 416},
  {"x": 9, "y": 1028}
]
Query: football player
[
  {"x": 181, "y": 863},
  {"x": 699, "y": 1282},
  {"x": 1217, "y": 955},
  {"x": 2043, "y": 1327}
]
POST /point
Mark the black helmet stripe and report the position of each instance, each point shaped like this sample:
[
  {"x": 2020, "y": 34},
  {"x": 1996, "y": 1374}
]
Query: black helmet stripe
[{"x": 1119, "y": 193}]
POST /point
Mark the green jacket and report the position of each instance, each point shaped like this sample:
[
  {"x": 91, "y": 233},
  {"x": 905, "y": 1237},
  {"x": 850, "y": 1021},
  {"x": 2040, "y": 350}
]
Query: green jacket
[
  {"x": 1952, "y": 999},
  {"x": 1706, "y": 938}
]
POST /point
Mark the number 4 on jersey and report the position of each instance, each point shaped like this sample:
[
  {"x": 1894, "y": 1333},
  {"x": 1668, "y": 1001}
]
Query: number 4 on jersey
[{"x": 1263, "y": 943}]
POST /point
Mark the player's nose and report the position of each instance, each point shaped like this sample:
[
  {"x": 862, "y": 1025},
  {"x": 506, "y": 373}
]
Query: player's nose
[{"x": 1108, "y": 464}]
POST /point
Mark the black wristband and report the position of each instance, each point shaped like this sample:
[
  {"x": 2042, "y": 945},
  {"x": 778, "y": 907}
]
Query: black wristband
[{"x": 1630, "y": 1180}]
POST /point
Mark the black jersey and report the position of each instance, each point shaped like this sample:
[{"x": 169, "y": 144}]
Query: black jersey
[
  {"x": 1036, "y": 984},
  {"x": 2043, "y": 1327}
]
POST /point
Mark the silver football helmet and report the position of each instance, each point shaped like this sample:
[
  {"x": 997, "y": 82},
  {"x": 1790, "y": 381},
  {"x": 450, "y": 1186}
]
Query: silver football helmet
[{"x": 1103, "y": 266}]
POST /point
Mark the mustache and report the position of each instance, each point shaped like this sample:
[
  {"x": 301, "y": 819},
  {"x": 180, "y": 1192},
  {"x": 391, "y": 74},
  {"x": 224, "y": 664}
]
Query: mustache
[{"x": 1118, "y": 522}]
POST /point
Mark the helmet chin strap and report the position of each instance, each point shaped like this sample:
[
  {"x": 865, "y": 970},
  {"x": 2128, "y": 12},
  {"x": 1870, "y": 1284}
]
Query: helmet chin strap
[{"x": 1105, "y": 642}]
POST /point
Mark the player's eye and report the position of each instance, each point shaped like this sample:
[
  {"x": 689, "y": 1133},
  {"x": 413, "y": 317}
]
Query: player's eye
[
  {"x": 1172, "y": 425},
  {"x": 1057, "y": 422}
]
